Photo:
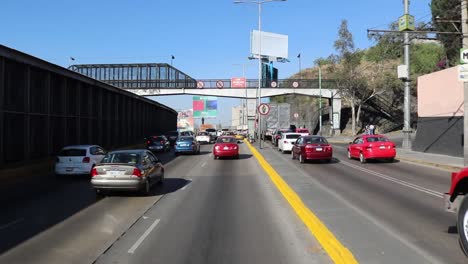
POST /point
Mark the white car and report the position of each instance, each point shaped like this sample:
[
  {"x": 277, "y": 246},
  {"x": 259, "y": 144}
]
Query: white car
[
  {"x": 78, "y": 159},
  {"x": 203, "y": 137},
  {"x": 287, "y": 140}
]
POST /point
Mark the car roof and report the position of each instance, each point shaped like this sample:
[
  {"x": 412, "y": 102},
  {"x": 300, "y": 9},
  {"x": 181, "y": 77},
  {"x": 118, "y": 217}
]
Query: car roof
[
  {"x": 374, "y": 135},
  {"x": 129, "y": 151},
  {"x": 313, "y": 136},
  {"x": 79, "y": 146},
  {"x": 291, "y": 133}
]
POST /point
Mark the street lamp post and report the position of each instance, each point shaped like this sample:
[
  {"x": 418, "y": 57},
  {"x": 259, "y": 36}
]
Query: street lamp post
[{"x": 259, "y": 92}]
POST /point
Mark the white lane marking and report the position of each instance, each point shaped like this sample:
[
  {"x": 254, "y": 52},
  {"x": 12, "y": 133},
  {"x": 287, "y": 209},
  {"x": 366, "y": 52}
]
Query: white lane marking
[
  {"x": 140, "y": 240},
  {"x": 401, "y": 182},
  {"x": 183, "y": 188},
  {"x": 203, "y": 164},
  {"x": 12, "y": 223}
]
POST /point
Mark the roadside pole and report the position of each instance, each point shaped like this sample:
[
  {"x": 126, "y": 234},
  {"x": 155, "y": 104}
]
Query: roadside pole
[
  {"x": 407, "y": 96},
  {"x": 464, "y": 18}
]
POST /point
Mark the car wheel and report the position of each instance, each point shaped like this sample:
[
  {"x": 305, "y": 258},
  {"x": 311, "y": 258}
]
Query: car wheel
[
  {"x": 362, "y": 159},
  {"x": 283, "y": 151},
  {"x": 236, "y": 157},
  {"x": 215, "y": 157},
  {"x": 349, "y": 154},
  {"x": 100, "y": 192},
  {"x": 462, "y": 225},
  {"x": 146, "y": 188},
  {"x": 161, "y": 180},
  {"x": 176, "y": 154},
  {"x": 391, "y": 160},
  {"x": 301, "y": 159},
  {"x": 328, "y": 160}
]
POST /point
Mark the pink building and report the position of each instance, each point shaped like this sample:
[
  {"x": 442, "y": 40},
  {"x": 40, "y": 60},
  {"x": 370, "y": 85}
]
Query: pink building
[{"x": 440, "y": 113}]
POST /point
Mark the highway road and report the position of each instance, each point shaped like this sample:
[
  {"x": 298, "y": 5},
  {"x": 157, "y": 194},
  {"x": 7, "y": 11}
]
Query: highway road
[
  {"x": 228, "y": 211},
  {"x": 208, "y": 211},
  {"x": 397, "y": 208}
]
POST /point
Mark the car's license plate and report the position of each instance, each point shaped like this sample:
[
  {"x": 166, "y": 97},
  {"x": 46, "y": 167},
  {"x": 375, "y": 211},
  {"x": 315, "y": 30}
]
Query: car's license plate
[
  {"x": 184, "y": 145},
  {"x": 318, "y": 149},
  {"x": 116, "y": 173},
  {"x": 382, "y": 147},
  {"x": 225, "y": 148},
  {"x": 69, "y": 169}
]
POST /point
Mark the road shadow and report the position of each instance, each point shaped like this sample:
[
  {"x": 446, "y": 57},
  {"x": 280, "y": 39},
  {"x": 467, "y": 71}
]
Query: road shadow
[
  {"x": 241, "y": 157},
  {"x": 333, "y": 161},
  {"x": 170, "y": 185}
]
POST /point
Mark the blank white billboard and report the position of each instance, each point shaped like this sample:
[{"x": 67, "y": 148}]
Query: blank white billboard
[{"x": 273, "y": 45}]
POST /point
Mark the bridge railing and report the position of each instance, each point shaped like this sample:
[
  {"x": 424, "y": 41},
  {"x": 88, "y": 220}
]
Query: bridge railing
[{"x": 219, "y": 84}]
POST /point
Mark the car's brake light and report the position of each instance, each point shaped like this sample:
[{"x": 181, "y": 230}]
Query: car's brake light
[
  {"x": 148, "y": 142},
  {"x": 136, "y": 172},
  {"x": 216, "y": 147},
  {"x": 235, "y": 147},
  {"x": 94, "y": 172},
  {"x": 86, "y": 160},
  {"x": 309, "y": 147}
]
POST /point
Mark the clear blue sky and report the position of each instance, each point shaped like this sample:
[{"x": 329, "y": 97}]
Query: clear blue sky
[{"x": 206, "y": 36}]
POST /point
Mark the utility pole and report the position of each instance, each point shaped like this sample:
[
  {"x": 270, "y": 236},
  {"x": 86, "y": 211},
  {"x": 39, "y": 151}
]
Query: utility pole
[
  {"x": 407, "y": 95},
  {"x": 464, "y": 17}
]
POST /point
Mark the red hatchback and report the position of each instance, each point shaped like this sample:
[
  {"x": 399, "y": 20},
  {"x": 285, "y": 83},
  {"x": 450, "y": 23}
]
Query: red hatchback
[
  {"x": 367, "y": 147},
  {"x": 312, "y": 148},
  {"x": 226, "y": 147}
]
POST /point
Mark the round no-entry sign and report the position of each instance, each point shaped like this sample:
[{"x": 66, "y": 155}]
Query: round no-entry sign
[
  {"x": 200, "y": 85},
  {"x": 219, "y": 84},
  {"x": 264, "y": 109}
]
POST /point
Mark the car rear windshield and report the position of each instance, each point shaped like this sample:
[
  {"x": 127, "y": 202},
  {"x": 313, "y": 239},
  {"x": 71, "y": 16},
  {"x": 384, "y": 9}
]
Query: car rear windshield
[
  {"x": 158, "y": 138},
  {"x": 293, "y": 136},
  {"x": 202, "y": 134},
  {"x": 74, "y": 152},
  {"x": 226, "y": 140},
  {"x": 315, "y": 140},
  {"x": 185, "y": 139},
  {"x": 122, "y": 157},
  {"x": 377, "y": 139}
]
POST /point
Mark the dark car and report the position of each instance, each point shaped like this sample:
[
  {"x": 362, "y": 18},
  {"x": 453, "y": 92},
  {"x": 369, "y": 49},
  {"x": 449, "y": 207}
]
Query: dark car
[
  {"x": 158, "y": 143},
  {"x": 172, "y": 136}
]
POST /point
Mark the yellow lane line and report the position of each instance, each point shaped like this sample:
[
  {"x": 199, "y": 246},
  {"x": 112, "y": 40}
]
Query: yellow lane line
[{"x": 337, "y": 251}]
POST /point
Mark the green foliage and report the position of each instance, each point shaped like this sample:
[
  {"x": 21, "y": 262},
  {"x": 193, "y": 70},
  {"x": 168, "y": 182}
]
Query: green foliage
[
  {"x": 424, "y": 57},
  {"x": 448, "y": 10}
]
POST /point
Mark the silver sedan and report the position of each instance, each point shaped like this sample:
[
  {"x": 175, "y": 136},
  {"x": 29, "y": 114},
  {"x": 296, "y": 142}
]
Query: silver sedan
[{"x": 134, "y": 170}]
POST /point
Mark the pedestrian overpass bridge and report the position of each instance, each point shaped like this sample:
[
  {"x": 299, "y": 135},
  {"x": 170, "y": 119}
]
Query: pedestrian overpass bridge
[{"x": 158, "y": 79}]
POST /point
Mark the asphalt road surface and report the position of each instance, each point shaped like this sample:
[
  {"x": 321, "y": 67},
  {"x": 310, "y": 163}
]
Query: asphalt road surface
[
  {"x": 393, "y": 211},
  {"x": 208, "y": 211}
]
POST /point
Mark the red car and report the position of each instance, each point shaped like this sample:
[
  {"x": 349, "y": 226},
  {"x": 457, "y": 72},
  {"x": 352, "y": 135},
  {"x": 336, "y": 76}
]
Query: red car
[
  {"x": 312, "y": 148},
  {"x": 226, "y": 146},
  {"x": 367, "y": 147},
  {"x": 456, "y": 202}
]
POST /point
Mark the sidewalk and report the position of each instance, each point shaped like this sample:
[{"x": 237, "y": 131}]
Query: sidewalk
[{"x": 436, "y": 160}]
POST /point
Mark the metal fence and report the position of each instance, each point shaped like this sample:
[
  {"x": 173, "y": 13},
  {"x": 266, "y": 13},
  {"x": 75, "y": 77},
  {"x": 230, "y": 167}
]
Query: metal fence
[{"x": 44, "y": 107}]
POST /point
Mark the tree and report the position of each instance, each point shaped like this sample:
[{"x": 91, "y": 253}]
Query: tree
[
  {"x": 347, "y": 74},
  {"x": 446, "y": 17}
]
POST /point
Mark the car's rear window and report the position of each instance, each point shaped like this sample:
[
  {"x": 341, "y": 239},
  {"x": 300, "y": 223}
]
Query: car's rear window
[
  {"x": 158, "y": 138},
  {"x": 185, "y": 139},
  {"x": 74, "y": 152},
  {"x": 226, "y": 140},
  {"x": 202, "y": 134},
  {"x": 315, "y": 140},
  {"x": 122, "y": 157},
  {"x": 293, "y": 136},
  {"x": 377, "y": 139}
]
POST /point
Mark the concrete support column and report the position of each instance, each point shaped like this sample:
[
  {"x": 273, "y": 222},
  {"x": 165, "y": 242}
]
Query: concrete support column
[
  {"x": 251, "y": 115},
  {"x": 336, "y": 103}
]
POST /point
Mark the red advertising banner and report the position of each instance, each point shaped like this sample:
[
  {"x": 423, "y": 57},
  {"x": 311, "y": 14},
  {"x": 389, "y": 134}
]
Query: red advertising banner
[{"x": 238, "y": 82}]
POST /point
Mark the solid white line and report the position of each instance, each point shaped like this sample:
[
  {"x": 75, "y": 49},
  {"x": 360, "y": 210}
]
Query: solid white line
[
  {"x": 203, "y": 164},
  {"x": 183, "y": 188},
  {"x": 11, "y": 223},
  {"x": 140, "y": 240},
  {"x": 401, "y": 182}
]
